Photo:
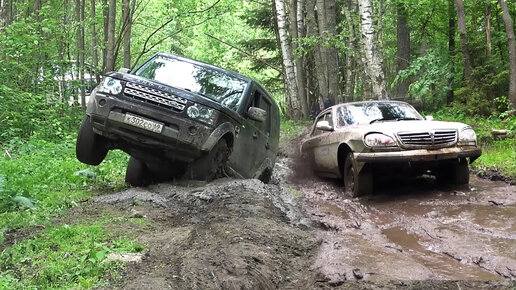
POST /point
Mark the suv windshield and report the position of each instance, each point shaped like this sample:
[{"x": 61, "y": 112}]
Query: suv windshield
[
  {"x": 218, "y": 86},
  {"x": 367, "y": 113}
]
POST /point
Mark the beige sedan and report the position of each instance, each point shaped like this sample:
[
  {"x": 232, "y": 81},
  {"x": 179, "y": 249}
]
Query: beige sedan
[{"x": 356, "y": 141}]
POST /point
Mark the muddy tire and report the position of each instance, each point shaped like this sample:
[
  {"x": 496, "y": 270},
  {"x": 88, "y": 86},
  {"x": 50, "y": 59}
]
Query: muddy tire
[
  {"x": 90, "y": 148},
  {"x": 355, "y": 183},
  {"x": 455, "y": 172},
  {"x": 136, "y": 173},
  {"x": 211, "y": 165},
  {"x": 460, "y": 172},
  {"x": 266, "y": 176}
]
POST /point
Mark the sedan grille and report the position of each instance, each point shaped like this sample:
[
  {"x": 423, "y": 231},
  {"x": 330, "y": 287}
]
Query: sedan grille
[
  {"x": 440, "y": 138},
  {"x": 155, "y": 97}
]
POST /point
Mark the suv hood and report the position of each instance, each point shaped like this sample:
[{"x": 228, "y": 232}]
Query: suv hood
[{"x": 174, "y": 91}]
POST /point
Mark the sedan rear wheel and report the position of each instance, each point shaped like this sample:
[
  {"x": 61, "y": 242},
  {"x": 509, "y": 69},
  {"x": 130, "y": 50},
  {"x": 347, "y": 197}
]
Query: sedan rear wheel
[{"x": 356, "y": 183}]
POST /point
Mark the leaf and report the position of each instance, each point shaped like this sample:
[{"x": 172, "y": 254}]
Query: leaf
[
  {"x": 85, "y": 172},
  {"x": 23, "y": 202}
]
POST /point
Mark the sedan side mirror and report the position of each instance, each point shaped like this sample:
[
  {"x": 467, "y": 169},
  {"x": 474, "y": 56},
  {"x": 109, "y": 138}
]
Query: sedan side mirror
[
  {"x": 124, "y": 70},
  {"x": 257, "y": 114},
  {"x": 429, "y": 118},
  {"x": 324, "y": 126}
]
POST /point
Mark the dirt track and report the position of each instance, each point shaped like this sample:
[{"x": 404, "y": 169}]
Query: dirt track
[{"x": 301, "y": 232}]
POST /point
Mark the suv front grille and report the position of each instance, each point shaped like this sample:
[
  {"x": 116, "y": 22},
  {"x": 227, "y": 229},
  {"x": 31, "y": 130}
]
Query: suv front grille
[
  {"x": 440, "y": 138},
  {"x": 155, "y": 97}
]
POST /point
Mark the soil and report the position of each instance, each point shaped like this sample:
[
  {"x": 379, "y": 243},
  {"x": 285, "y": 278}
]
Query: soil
[{"x": 302, "y": 232}]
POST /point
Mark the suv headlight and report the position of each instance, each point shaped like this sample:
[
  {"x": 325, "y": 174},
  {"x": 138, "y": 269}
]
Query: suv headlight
[
  {"x": 379, "y": 140},
  {"x": 111, "y": 86},
  {"x": 202, "y": 113},
  {"x": 467, "y": 136}
]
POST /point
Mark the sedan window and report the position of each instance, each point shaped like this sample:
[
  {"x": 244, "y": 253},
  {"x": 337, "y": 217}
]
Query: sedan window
[{"x": 367, "y": 113}]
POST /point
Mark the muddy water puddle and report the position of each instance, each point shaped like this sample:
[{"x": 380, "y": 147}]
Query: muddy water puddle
[{"x": 416, "y": 230}]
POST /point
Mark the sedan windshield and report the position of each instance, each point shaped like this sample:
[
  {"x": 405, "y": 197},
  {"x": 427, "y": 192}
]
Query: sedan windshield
[
  {"x": 368, "y": 113},
  {"x": 213, "y": 84}
]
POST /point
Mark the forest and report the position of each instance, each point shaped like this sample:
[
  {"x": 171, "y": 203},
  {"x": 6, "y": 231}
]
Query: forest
[{"x": 452, "y": 59}]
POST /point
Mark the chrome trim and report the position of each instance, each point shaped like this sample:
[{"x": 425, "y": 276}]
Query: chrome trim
[
  {"x": 154, "y": 96},
  {"x": 428, "y": 139}
]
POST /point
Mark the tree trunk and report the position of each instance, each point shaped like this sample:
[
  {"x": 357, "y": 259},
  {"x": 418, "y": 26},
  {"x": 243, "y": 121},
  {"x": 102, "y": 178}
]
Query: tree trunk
[
  {"x": 105, "y": 13},
  {"x": 451, "y": 50},
  {"x": 509, "y": 29},
  {"x": 127, "y": 32},
  {"x": 321, "y": 61},
  {"x": 333, "y": 54},
  {"x": 298, "y": 33},
  {"x": 403, "y": 53},
  {"x": 372, "y": 58},
  {"x": 94, "y": 51},
  {"x": 110, "y": 50},
  {"x": 79, "y": 15},
  {"x": 5, "y": 13},
  {"x": 490, "y": 70},
  {"x": 461, "y": 26},
  {"x": 294, "y": 110},
  {"x": 349, "y": 88},
  {"x": 313, "y": 57}
]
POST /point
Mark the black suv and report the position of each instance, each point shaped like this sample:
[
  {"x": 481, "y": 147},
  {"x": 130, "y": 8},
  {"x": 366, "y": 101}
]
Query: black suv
[{"x": 177, "y": 116}]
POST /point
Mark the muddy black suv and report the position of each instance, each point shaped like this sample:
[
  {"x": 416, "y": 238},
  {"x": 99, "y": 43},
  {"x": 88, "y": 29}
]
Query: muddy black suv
[{"x": 177, "y": 116}]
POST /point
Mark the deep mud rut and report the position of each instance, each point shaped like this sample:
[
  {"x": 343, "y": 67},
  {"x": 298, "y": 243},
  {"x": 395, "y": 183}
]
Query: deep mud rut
[{"x": 301, "y": 232}]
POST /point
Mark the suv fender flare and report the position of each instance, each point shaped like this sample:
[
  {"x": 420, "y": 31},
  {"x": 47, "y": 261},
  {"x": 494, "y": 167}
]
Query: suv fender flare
[{"x": 218, "y": 133}]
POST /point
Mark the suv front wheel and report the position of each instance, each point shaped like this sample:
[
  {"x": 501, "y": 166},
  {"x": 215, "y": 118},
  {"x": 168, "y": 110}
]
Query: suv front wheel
[
  {"x": 90, "y": 148},
  {"x": 212, "y": 164}
]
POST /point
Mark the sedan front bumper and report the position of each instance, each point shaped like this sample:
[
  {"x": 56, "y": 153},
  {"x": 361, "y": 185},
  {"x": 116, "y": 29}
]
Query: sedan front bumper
[{"x": 471, "y": 152}]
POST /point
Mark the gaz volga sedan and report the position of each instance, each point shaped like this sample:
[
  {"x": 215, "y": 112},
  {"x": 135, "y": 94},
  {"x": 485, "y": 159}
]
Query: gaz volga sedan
[{"x": 363, "y": 140}]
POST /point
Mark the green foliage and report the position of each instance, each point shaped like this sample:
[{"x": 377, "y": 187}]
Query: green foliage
[
  {"x": 43, "y": 172},
  {"x": 67, "y": 256},
  {"x": 291, "y": 128},
  {"x": 498, "y": 155}
]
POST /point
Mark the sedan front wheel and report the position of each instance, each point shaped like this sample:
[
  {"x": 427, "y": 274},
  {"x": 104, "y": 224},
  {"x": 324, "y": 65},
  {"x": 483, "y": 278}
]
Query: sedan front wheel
[{"x": 356, "y": 183}]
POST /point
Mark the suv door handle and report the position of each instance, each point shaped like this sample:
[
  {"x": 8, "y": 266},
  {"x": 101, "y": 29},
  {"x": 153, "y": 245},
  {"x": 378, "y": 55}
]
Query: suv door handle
[{"x": 255, "y": 135}]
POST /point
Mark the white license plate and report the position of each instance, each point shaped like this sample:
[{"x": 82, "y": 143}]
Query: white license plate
[{"x": 143, "y": 123}]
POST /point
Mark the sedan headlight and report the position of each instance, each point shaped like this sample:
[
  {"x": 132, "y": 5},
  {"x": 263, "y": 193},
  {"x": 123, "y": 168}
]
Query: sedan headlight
[
  {"x": 467, "y": 137},
  {"x": 202, "y": 113},
  {"x": 111, "y": 86},
  {"x": 379, "y": 140}
]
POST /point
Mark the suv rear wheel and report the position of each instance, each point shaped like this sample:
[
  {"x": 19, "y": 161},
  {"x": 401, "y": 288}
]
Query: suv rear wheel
[
  {"x": 355, "y": 183},
  {"x": 136, "y": 173},
  {"x": 90, "y": 148}
]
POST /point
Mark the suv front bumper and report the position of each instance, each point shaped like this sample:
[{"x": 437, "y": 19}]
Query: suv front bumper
[
  {"x": 181, "y": 137},
  {"x": 472, "y": 152}
]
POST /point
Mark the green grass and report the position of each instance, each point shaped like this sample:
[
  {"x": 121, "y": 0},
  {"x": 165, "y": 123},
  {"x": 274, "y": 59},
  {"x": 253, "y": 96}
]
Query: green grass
[
  {"x": 38, "y": 183},
  {"x": 43, "y": 173},
  {"x": 291, "y": 129},
  {"x": 499, "y": 155},
  {"x": 66, "y": 257}
]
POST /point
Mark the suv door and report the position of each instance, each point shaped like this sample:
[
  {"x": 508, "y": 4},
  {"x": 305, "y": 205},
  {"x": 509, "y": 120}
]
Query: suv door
[{"x": 253, "y": 138}]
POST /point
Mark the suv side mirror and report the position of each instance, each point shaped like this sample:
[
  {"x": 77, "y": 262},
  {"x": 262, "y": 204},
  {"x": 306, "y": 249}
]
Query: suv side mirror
[
  {"x": 257, "y": 114},
  {"x": 124, "y": 70},
  {"x": 429, "y": 118},
  {"x": 324, "y": 126}
]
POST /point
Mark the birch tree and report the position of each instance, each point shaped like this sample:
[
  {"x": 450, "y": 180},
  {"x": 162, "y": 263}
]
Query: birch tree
[
  {"x": 294, "y": 109},
  {"x": 372, "y": 56},
  {"x": 509, "y": 28},
  {"x": 461, "y": 26}
]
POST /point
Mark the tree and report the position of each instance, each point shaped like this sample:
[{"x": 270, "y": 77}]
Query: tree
[
  {"x": 509, "y": 28},
  {"x": 373, "y": 58},
  {"x": 461, "y": 26},
  {"x": 289, "y": 77},
  {"x": 403, "y": 52},
  {"x": 110, "y": 46},
  {"x": 127, "y": 25}
]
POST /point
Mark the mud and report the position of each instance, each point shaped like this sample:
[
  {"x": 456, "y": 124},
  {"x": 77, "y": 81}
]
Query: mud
[{"x": 302, "y": 232}]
